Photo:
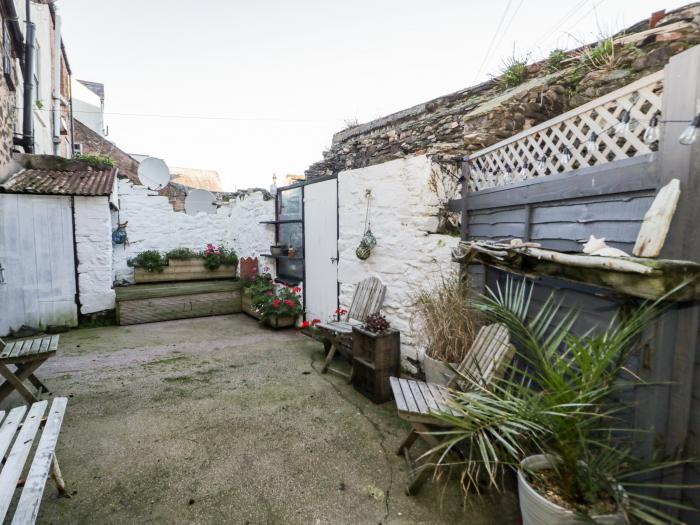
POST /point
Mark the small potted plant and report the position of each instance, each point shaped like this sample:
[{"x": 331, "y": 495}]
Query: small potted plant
[
  {"x": 279, "y": 307},
  {"x": 256, "y": 291}
]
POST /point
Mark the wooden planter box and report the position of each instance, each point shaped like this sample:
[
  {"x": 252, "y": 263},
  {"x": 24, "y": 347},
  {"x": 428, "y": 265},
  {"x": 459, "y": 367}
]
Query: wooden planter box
[
  {"x": 375, "y": 358},
  {"x": 184, "y": 270},
  {"x": 146, "y": 303},
  {"x": 247, "y": 305},
  {"x": 281, "y": 322}
]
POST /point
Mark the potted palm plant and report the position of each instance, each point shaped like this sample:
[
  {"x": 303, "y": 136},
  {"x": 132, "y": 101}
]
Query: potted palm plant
[
  {"x": 448, "y": 325},
  {"x": 553, "y": 420}
]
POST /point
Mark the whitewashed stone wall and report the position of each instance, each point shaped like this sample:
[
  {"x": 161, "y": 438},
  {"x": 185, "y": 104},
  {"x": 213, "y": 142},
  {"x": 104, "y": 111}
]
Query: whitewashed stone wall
[
  {"x": 404, "y": 212},
  {"x": 93, "y": 240},
  {"x": 153, "y": 225}
]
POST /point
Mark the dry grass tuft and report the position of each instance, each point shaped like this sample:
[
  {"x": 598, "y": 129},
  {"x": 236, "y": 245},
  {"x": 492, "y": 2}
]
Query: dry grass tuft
[{"x": 448, "y": 324}]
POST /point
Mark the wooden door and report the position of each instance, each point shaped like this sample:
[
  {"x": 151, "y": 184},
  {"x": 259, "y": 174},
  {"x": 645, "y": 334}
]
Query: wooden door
[
  {"x": 321, "y": 249},
  {"x": 36, "y": 251}
]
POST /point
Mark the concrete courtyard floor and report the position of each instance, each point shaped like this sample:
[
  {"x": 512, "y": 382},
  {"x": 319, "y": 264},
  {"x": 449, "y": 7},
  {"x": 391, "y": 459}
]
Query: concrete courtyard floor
[{"x": 216, "y": 420}]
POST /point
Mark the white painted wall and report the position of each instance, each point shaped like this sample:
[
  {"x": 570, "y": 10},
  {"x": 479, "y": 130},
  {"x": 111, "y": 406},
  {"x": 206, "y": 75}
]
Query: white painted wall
[
  {"x": 87, "y": 107},
  {"x": 93, "y": 240},
  {"x": 153, "y": 225},
  {"x": 403, "y": 213}
]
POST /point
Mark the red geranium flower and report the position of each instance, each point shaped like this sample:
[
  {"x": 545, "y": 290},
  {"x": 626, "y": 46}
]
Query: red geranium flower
[
  {"x": 289, "y": 302},
  {"x": 315, "y": 321},
  {"x": 296, "y": 290},
  {"x": 305, "y": 324},
  {"x": 276, "y": 303}
]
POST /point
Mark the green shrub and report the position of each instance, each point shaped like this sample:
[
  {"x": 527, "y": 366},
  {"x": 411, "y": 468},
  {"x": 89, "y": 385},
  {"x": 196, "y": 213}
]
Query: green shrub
[
  {"x": 556, "y": 59},
  {"x": 513, "y": 72},
  {"x": 150, "y": 260},
  {"x": 179, "y": 254},
  {"x": 215, "y": 256},
  {"x": 96, "y": 161}
]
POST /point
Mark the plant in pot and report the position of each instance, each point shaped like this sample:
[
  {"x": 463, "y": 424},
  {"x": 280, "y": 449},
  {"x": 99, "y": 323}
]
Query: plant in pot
[
  {"x": 256, "y": 291},
  {"x": 280, "y": 307},
  {"x": 215, "y": 256},
  {"x": 556, "y": 417},
  {"x": 149, "y": 260},
  {"x": 448, "y": 325}
]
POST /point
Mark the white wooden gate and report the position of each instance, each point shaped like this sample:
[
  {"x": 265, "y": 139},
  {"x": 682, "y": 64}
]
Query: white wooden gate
[
  {"x": 321, "y": 249},
  {"x": 36, "y": 251}
]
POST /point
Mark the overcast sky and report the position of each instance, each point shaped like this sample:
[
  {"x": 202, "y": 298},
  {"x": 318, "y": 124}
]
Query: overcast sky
[{"x": 282, "y": 76}]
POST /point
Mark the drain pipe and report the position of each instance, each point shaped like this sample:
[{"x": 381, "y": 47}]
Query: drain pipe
[
  {"x": 57, "y": 87},
  {"x": 28, "y": 102}
]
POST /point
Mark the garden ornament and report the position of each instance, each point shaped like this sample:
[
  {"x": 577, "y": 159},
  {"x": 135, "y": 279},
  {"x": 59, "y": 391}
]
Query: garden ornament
[
  {"x": 369, "y": 241},
  {"x": 119, "y": 235}
]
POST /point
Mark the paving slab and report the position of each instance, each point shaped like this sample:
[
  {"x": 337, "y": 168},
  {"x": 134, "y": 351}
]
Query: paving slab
[{"x": 217, "y": 420}]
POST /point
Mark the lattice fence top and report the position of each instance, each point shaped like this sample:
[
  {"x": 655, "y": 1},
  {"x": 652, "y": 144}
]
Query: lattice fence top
[{"x": 543, "y": 149}]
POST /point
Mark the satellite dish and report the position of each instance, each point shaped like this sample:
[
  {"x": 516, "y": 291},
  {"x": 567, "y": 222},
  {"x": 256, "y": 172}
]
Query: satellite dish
[
  {"x": 200, "y": 201},
  {"x": 153, "y": 173}
]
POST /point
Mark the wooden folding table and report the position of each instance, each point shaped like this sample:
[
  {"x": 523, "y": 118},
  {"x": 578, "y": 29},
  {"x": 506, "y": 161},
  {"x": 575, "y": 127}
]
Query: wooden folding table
[{"x": 27, "y": 355}]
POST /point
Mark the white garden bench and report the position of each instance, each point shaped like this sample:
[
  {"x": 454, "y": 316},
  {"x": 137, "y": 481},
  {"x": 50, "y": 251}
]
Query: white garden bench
[{"x": 17, "y": 437}]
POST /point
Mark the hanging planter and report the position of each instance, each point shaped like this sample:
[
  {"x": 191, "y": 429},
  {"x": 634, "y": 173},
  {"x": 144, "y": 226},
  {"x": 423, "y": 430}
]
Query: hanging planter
[{"x": 369, "y": 241}]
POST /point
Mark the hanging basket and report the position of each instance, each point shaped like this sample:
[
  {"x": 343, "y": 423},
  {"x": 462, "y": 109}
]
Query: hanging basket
[{"x": 369, "y": 241}]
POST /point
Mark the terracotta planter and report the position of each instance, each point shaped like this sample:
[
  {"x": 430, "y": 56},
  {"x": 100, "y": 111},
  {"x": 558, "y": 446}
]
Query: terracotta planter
[
  {"x": 247, "y": 304},
  {"x": 437, "y": 371},
  {"x": 184, "y": 270},
  {"x": 538, "y": 510},
  {"x": 280, "y": 322}
]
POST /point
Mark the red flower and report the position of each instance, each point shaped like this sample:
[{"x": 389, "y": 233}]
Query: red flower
[
  {"x": 341, "y": 311},
  {"x": 305, "y": 324},
  {"x": 296, "y": 290},
  {"x": 276, "y": 303},
  {"x": 315, "y": 321},
  {"x": 289, "y": 302}
]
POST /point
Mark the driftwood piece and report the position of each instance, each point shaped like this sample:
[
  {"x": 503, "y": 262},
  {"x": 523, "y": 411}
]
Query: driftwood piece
[
  {"x": 638, "y": 277},
  {"x": 657, "y": 221}
]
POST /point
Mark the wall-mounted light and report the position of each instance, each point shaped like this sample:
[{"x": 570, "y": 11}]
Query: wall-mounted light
[
  {"x": 525, "y": 170},
  {"x": 690, "y": 134},
  {"x": 541, "y": 162},
  {"x": 624, "y": 126}
]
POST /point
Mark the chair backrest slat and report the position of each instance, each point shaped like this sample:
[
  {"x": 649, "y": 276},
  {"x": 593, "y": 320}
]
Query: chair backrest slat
[
  {"x": 486, "y": 355},
  {"x": 367, "y": 299}
]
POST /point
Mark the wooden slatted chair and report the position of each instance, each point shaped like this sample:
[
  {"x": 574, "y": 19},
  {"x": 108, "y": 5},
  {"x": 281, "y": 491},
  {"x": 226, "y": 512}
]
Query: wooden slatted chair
[
  {"x": 26, "y": 355},
  {"x": 17, "y": 436},
  {"x": 368, "y": 298},
  {"x": 417, "y": 402}
]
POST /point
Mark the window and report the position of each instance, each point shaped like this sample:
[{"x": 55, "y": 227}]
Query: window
[
  {"x": 289, "y": 208},
  {"x": 7, "y": 61}
]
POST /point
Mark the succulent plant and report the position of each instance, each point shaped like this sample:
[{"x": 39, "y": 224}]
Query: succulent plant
[{"x": 376, "y": 323}]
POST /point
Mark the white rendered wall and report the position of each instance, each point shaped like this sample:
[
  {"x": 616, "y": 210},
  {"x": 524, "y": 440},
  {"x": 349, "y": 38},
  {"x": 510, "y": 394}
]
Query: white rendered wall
[
  {"x": 153, "y": 225},
  {"x": 93, "y": 240},
  {"x": 87, "y": 107},
  {"x": 403, "y": 215}
]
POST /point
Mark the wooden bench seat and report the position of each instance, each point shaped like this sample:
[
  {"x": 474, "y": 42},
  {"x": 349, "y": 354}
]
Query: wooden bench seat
[{"x": 19, "y": 430}]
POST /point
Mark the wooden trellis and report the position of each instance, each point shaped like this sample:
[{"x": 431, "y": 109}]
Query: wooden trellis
[{"x": 537, "y": 152}]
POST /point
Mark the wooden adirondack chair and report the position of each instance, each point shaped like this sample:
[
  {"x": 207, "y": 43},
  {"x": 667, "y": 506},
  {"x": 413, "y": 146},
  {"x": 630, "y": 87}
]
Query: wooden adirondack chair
[
  {"x": 337, "y": 335},
  {"x": 417, "y": 401}
]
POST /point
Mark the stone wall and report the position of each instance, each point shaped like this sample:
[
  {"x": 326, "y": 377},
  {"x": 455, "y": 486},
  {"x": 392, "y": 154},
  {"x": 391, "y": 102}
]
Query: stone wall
[
  {"x": 154, "y": 225},
  {"x": 477, "y": 117},
  {"x": 404, "y": 219},
  {"x": 93, "y": 241}
]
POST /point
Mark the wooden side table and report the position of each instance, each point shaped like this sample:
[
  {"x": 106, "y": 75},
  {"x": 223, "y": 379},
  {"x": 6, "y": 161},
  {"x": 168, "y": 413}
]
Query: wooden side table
[{"x": 376, "y": 357}]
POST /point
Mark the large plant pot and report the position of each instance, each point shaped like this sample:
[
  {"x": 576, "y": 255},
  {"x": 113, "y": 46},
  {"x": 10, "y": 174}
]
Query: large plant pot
[
  {"x": 538, "y": 510},
  {"x": 247, "y": 304},
  {"x": 437, "y": 371},
  {"x": 184, "y": 270}
]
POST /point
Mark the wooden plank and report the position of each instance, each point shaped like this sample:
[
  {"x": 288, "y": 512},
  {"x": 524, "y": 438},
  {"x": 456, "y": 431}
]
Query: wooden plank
[
  {"x": 9, "y": 427},
  {"x": 657, "y": 221},
  {"x": 441, "y": 399},
  {"x": 408, "y": 396},
  {"x": 423, "y": 407},
  {"x": 151, "y": 291},
  {"x": 53, "y": 345},
  {"x": 12, "y": 470},
  {"x": 636, "y": 174},
  {"x": 30, "y": 500},
  {"x": 428, "y": 396},
  {"x": 9, "y": 347},
  {"x": 401, "y": 404},
  {"x": 178, "y": 307}
]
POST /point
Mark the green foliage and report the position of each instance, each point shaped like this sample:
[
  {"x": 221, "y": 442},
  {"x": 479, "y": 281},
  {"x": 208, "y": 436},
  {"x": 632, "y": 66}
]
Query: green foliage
[
  {"x": 556, "y": 59},
  {"x": 558, "y": 399},
  {"x": 39, "y": 104},
  {"x": 96, "y": 161},
  {"x": 181, "y": 254},
  {"x": 513, "y": 72},
  {"x": 278, "y": 302},
  {"x": 150, "y": 260},
  {"x": 602, "y": 56},
  {"x": 215, "y": 256}
]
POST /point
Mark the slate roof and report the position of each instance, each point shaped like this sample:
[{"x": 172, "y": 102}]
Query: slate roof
[{"x": 50, "y": 182}]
